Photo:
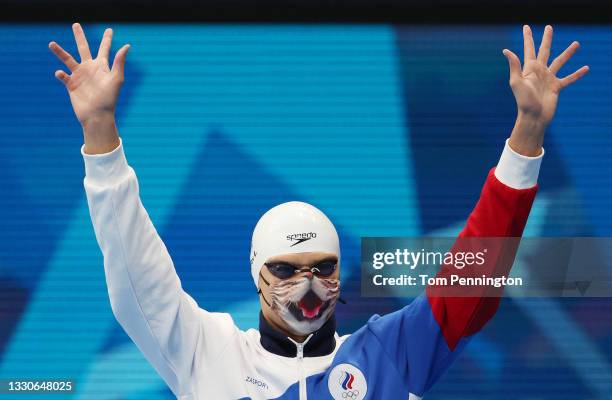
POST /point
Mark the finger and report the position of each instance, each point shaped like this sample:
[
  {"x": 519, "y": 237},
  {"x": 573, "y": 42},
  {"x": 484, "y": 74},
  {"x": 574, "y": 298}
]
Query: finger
[
  {"x": 544, "y": 51},
  {"x": 62, "y": 76},
  {"x": 119, "y": 62},
  {"x": 568, "y": 80},
  {"x": 562, "y": 58},
  {"x": 529, "y": 47},
  {"x": 105, "y": 44},
  {"x": 81, "y": 41},
  {"x": 515, "y": 64},
  {"x": 64, "y": 56}
]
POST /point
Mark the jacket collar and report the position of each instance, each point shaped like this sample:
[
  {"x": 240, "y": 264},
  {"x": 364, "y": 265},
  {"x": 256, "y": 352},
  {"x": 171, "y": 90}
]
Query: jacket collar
[{"x": 321, "y": 343}]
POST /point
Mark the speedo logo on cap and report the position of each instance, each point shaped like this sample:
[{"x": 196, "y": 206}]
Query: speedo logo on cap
[{"x": 300, "y": 237}]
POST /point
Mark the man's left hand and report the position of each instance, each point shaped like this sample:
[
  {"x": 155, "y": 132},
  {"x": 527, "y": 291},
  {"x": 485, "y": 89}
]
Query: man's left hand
[{"x": 536, "y": 89}]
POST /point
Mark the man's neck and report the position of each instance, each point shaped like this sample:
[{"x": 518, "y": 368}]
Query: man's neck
[
  {"x": 276, "y": 340},
  {"x": 297, "y": 338}
]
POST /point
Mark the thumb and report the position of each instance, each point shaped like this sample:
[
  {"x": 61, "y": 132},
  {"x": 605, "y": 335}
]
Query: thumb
[
  {"x": 514, "y": 63},
  {"x": 119, "y": 62}
]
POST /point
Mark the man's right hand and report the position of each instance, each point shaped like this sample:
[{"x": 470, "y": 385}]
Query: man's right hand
[{"x": 93, "y": 88}]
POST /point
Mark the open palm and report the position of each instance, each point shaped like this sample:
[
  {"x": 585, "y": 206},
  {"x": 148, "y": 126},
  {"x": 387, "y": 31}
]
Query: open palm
[
  {"x": 536, "y": 87},
  {"x": 93, "y": 86}
]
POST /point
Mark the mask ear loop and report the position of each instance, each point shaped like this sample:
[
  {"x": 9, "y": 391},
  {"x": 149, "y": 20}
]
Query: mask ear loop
[{"x": 259, "y": 290}]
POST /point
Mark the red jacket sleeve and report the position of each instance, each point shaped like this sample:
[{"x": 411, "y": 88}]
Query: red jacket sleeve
[{"x": 501, "y": 211}]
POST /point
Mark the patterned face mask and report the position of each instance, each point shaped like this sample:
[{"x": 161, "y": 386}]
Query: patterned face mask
[{"x": 304, "y": 304}]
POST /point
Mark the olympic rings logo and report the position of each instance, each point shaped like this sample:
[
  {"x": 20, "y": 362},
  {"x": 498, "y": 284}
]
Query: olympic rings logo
[{"x": 350, "y": 394}]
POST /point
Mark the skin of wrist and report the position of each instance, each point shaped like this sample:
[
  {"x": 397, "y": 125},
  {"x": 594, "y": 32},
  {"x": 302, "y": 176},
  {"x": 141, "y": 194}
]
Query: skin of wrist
[
  {"x": 527, "y": 135},
  {"x": 100, "y": 134}
]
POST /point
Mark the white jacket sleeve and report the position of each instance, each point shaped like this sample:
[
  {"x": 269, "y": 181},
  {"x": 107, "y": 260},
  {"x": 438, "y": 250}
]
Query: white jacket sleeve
[{"x": 146, "y": 297}]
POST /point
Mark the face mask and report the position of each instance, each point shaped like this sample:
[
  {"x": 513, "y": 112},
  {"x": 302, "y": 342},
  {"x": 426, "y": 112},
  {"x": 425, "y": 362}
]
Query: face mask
[{"x": 304, "y": 304}]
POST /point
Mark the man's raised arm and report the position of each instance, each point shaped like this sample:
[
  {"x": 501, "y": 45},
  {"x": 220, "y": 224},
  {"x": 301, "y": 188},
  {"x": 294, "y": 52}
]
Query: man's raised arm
[
  {"x": 145, "y": 292},
  {"x": 508, "y": 193},
  {"x": 425, "y": 337}
]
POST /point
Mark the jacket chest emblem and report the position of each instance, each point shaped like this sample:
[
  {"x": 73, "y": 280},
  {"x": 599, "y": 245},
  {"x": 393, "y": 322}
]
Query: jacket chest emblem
[{"x": 347, "y": 382}]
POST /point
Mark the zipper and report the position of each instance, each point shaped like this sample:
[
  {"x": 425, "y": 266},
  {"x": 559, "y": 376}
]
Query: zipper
[
  {"x": 300, "y": 365},
  {"x": 302, "y": 378}
]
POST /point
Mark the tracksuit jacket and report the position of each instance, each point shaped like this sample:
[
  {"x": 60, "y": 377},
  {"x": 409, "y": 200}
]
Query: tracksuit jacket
[{"x": 203, "y": 355}]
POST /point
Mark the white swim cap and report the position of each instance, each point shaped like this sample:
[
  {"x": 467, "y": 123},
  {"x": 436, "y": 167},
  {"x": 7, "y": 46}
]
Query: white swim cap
[{"x": 291, "y": 227}]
